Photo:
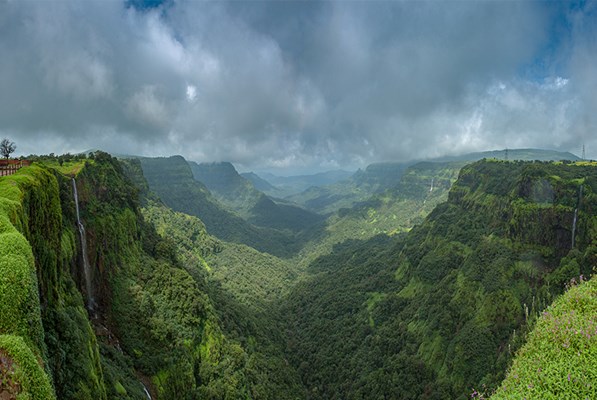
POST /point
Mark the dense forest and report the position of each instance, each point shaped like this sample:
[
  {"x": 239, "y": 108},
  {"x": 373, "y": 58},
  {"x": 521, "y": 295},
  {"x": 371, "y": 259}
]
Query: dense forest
[{"x": 158, "y": 278}]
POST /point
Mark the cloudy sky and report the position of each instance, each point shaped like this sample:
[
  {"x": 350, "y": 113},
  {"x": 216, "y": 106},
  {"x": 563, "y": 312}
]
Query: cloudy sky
[{"x": 298, "y": 85}]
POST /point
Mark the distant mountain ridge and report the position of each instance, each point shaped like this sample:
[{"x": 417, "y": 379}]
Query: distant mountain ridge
[
  {"x": 240, "y": 195},
  {"x": 285, "y": 186},
  {"x": 378, "y": 177},
  {"x": 172, "y": 180},
  {"x": 258, "y": 182}
]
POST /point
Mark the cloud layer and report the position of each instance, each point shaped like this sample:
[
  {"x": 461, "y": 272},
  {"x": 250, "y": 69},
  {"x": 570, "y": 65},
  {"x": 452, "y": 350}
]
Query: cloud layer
[{"x": 302, "y": 85}]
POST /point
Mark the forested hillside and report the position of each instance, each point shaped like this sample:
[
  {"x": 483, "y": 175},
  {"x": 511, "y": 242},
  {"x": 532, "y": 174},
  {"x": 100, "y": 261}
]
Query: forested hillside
[
  {"x": 379, "y": 177},
  {"x": 151, "y": 315},
  {"x": 241, "y": 196},
  {"x": 426, "y": 290},
  {"x": 441, "y": 310},
  {"x": 172, "y": 180},
  {"x": 416, "y": 193}
]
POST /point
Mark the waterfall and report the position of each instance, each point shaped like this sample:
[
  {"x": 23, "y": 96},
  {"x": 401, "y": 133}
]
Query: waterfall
[
  {"x": 574, "y": 225},
  {"x": 576, "y": 216},
  {"x": 86, "y": 266},
  {"x": 146, "y": 391}
]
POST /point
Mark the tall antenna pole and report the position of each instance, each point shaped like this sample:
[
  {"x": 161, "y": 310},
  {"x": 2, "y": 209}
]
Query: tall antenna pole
[{"x": 583, "y": 152}]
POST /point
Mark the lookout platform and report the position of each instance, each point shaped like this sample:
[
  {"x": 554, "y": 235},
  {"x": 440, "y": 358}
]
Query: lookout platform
[{"x": 9, "y": 167}]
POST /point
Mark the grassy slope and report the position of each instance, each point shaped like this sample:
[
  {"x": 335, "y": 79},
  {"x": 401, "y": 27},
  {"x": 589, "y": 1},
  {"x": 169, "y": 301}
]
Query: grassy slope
[{"x": 559, "y": 359}]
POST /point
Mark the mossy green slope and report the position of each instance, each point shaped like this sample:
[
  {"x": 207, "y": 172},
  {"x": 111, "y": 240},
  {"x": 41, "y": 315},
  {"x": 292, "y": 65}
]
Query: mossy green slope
[
  {"x": 172, "y": 180},
  {"x": 559, "y": 359},
  {"x": 413, "y": 196},
  {"x": 241, "y": 284},
  {"x": 21, "y": 331},
  {"x": 241, "y": 196},
  {"x": 438, "y": 307}
]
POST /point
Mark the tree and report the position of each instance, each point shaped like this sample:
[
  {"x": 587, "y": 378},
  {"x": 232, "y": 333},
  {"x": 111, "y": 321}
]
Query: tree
[{"x": 7, "y": 147}]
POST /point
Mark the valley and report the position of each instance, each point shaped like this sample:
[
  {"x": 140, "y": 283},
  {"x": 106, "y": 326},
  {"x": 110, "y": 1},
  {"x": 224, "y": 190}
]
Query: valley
[{"x": 426, "y": 280}]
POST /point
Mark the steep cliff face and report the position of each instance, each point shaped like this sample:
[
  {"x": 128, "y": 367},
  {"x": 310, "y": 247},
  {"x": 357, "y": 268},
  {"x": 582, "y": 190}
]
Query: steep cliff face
[
  {"x": 445, "y": 306},
  {"x": 39, "y": 248},
  {"x": 172, "y": 180},
  {"x": 239, "y": 194},
  {"x": 140, "y": 321}
]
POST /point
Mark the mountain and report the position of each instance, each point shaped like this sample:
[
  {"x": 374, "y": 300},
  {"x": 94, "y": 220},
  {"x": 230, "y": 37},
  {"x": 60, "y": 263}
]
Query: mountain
[
  {"x": 359, "y": 187},
  {"x": 261, "y": 184},
  {"x": 289, "y": 185},
  {"x": 173, "y": 182},
  {"x": 514, "y": 154},
  {"x": 379, "y": 177},
  {"x": 436, "y": 287},
  {"x": 97, "y": 304},
  {"x": 420, "y": 188},
  {"x": 224, "y": 182},
  {"x": 438, "y": 311},
  {"x": 239, "y": 194}
]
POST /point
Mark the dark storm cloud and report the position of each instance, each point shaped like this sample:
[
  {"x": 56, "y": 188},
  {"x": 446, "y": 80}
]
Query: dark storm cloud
[{"x": 297, "y": 84}]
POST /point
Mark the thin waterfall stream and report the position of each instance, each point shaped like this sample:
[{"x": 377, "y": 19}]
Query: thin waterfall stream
[
  {"x": 87, "y": 269},
  {"x": 86, "y": 266},
  {"x": 575, "y": 217},
  {"x": 146, "y": 392}
]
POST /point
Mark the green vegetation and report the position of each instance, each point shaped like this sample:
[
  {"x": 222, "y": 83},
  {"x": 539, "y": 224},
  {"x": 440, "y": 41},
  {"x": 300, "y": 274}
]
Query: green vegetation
[
  {"x": 240, "y": 195},
  {"x": 380, "y": 177},
  {"x": 172, "y": 180},
  {"x": 558, "y": 361},
  {"x": 425, "y": 290},
  {"x": 420, "y": 188},
  {"x": 241, "y": 283},
  {"x": 21, "y": 376},
  {"x": 438, "y": 308}
]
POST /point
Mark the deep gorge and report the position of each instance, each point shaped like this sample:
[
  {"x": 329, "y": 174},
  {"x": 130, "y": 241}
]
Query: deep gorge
[{"x": 428, "y": 311}]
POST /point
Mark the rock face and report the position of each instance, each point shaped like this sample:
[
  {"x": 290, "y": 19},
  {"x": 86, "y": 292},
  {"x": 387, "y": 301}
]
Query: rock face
[
  {"x": 240, "y": 195},
  {"x": 219, "y": 177},
  {"x": 445, "y": 306}
]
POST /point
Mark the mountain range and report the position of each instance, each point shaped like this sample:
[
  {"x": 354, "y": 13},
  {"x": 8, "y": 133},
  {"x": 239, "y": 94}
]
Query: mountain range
[{"x": 163, "y": 278}]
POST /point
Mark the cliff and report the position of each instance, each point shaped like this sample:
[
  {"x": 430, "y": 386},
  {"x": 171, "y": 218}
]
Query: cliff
[{"x": 140, "y": 321}]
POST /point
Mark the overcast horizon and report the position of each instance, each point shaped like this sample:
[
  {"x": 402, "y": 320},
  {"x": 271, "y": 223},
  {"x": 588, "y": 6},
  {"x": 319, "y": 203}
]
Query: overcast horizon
[{"x": 298, "y": 86}]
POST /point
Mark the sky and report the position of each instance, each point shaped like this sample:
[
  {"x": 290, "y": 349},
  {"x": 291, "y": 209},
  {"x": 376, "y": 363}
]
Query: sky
[{"x": 298, "y": 86}]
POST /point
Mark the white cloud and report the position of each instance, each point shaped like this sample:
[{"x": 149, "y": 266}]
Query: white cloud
[
  {"x": 331, "y": 83},
  {"x": 191, "y": 93}
]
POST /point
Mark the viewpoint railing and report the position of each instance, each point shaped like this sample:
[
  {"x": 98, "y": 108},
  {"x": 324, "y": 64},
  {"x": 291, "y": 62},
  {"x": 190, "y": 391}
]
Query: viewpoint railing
[{"x": 9, "y": 167}]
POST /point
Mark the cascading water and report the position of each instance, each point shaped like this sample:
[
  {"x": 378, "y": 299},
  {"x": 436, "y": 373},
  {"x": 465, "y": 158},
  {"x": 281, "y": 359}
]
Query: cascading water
[
  {"x": 574, "y": 225},
  {"x": 146, "y": 392},
  {"x": 86, "y": 266},
  {"x": 575, "y": 217}
]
